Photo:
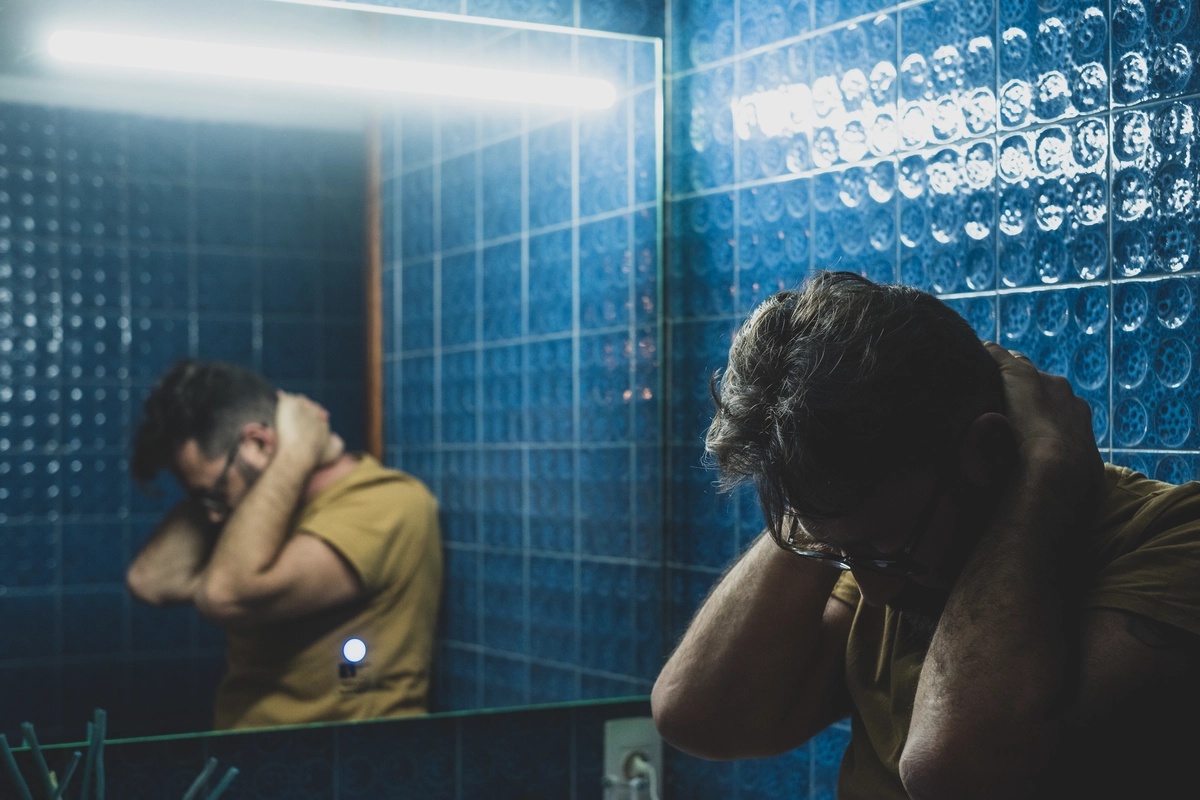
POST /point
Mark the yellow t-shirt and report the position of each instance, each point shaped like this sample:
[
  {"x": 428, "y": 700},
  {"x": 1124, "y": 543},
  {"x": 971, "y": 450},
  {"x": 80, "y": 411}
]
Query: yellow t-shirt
[
  {"x": 1143, "y": 557},
  {"x": 384, "y": 523}
]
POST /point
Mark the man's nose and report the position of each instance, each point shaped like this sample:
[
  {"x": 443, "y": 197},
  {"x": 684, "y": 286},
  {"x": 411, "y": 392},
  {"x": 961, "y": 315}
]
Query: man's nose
[{"x": 877, "y": 589}]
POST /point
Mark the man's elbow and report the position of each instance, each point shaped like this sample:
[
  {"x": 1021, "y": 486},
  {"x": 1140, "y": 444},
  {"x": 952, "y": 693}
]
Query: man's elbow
[
  {"x": 218, "y": 603},
  {"x": 147, "y": 587},
  {"x": 965, "y": 768},
  {"x": 690, "y": 728}
]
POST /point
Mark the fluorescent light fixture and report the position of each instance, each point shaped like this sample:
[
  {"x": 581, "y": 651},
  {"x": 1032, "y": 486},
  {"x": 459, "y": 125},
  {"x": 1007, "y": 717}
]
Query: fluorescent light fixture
[{"x": 328, "y": 69}]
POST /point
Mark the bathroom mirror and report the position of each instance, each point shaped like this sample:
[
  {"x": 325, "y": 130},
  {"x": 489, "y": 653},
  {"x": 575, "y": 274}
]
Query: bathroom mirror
[{"x": 469, "y": 283}]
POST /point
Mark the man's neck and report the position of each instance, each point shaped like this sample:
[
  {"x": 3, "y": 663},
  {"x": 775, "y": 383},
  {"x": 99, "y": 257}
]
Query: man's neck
[{"x": 325, "y": 476}]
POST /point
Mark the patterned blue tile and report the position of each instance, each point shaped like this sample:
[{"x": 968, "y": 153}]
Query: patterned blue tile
[
  {"x": 605, "y": 264},
  {"x": 460, "y": 620},
  {"x": 505, "y": 680},
  {"x": 702, "y": 32},
  {"x": 501, "y": 199},
  {"x": 697, "y": 505},
  {"x": 456, "y": 683},
  {"x": 289, "y": 350},
  {"x": 699, "y": 779},
  {"x": 702, "y": 256},
  {"x": 157, "y": 148},
  {"x": 143, "y": 770},
  {"x": 416, "y": 135},
  {"x": 494, "y": 749},
  {"x": 459, "y": 397},
  {"x": 226, "y": 284},
  {"x": 552, "y": 511},
  {"x": 623, "y": 16},
  {"x": 550, "y": 281},
  {"x": 501, "y": 498},
  {"x": 702, "y": 151},
  {"x": 605, "y": 497},
  {"x": 502, "y": 292},
  {"x": 787, "y": 775},
  {"x": 550, "y": 399},
  {"x": 417, "y": 215},
  {"x": 604, "y": 160},
  {"x": 1153, "y": 50},
  {"x": 458, "y": 201},
  {"x": 296, "y": 763},
  {"x": 605, "y": 387},
  {"x": 416, "y": 412},
  {"x": 29, "y": 555},
  {"x": 158, "y": 213},
  {"x": 458, "y": 496},
  {"x": 503, "y": 400},
  {"x": 416, "y": 757},
  {"x": 158, "y": 278},
  {"x": 606, "y": 615},
  {"x": 459, "y": 301},
  {"x": 416, "y": 305},
  {"x": 553, "y": 590}
]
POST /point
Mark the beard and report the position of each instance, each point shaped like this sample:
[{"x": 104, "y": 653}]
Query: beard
[
  {"x": 249, "y": 473},
  {"x": 920, "y": 606}
]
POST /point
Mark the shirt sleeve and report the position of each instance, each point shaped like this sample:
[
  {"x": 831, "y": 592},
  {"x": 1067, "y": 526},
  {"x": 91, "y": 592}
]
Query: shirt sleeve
[
  {"x": 378, "y": 529},
  {"x": 1156, "y": 570},
  {"x": 846, "y": 589}
]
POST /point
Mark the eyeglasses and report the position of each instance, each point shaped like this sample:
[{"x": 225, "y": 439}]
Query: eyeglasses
[
  {"x": 214, "y": 499},
  {"x": 901, "y": 565}
]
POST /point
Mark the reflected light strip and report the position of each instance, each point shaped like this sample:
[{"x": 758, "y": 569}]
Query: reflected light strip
[{"x": 328, "y": 69}]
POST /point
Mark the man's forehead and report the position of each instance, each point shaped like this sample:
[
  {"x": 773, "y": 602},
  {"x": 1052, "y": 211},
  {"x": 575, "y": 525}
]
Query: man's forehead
[{"x": 896, "y": 499}]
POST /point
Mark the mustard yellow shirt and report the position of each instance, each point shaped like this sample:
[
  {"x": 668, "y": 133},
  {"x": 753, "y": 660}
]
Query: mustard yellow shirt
[
  {"x": 1143, "y": 556},
  {"x": 384, "y": 523}
]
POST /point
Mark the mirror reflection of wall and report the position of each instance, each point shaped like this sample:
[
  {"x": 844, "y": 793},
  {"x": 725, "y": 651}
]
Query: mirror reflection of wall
[
  {"x": 131, "y": 241},
  {"x": 520, "y": 316},
  {"x": 523, "y": 357}
]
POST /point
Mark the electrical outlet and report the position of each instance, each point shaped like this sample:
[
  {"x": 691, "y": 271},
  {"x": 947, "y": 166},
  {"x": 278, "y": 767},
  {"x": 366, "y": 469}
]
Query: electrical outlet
[{"x": 623, "y": 740}]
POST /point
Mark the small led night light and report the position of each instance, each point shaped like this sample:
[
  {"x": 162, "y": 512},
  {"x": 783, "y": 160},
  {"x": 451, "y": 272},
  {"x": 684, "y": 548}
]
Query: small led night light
[{"x": 354, "y": 650}]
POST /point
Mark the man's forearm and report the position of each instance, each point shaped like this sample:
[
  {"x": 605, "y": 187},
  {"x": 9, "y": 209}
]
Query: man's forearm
[
  {"x": 985, "y": 719},
  {"x": 169, "y": 566},
  {"x": 735, "y": 686},
  {"x": 256, "y": 531}
]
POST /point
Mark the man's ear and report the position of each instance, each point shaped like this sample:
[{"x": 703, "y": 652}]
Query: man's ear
[
  {"x": 264, "y": 440},
  {"x": 988, "y": 450}
]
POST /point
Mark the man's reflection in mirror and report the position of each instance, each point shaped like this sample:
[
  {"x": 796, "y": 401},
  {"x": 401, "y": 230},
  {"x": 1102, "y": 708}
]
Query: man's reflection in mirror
[{"x": 323, "y": 566}]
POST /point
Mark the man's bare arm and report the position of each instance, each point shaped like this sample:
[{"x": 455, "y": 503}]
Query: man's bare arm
[
  {"x": 760, "y": 669},
  {"x": 259, "y": 571},
  {"x": 168, "y": 568},
  {"x": 992, "y": 701}
]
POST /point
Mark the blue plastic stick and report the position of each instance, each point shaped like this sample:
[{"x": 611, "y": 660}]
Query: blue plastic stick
[
  {"x": 224, "y": 784},
  {"x": 101, "y": 728},
  {"x": 89, "y": 765},
  {"x": 198, "y": 784},
  {"x": 70, "y": 773},
  {"x": 11, "y": 762},
  {"x": 38, "y": 758}
]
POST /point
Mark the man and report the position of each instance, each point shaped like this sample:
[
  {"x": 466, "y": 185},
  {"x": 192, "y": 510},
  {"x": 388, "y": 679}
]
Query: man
[
  {"x": 947, "y": 561},
  {"x": 294, "y": 546}
]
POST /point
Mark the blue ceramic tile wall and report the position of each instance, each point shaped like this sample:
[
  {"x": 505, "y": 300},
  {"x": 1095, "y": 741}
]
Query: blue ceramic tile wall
[
  {"x": 526, "y": 754},
  {"x": 1030, "y": 162},
  {"x": 521, "y": 320},
  {"x": 127, "y": 242}
]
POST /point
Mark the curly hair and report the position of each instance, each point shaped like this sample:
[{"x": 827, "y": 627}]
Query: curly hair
[
  {"x": 832, "y": 387},
  {"x": 206, "y": 401}
]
